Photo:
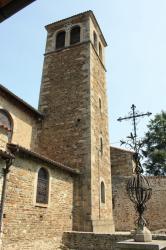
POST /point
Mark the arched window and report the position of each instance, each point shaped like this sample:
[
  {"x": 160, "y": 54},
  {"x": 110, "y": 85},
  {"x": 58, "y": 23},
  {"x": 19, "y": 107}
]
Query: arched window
[
  {"x": 101, "y": 146},
  {"x": 7, "y": 123},
  {"x": 42, "y": 186},
  {"x": 102, "y": 192},
  {"x": 95, "y": 40},
  {"x": 100, "y": 51},
  {"x": 60, "y": 40},
  {"x": 75, "y": 35}
]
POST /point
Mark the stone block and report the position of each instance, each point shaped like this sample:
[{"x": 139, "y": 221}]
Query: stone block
[{"x": 132, "y": 245}]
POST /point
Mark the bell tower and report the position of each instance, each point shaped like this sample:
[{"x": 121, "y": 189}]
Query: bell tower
[{"x": 75, "y": 128}]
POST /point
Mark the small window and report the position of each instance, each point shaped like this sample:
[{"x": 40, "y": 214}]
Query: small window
[
  {"x": 102, "y": 192},
  {"x": 60, "y": 40},
  {"x": 95, "y": 40},
  {"x": 75, "y": 35},
  {"x": 7, "y": 122},
  {"x": 100, "y": 51},
  {"x": 42, "y": 186},
  {"x": 101, "y": 146}
]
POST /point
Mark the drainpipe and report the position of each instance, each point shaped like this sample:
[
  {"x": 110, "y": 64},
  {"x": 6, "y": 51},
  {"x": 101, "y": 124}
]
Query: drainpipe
[{"x": 8, "y": 162}]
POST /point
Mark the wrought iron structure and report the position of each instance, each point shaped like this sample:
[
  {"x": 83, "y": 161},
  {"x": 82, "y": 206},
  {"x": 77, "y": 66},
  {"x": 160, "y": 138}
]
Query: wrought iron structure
[{"x": 138, "y": 187}]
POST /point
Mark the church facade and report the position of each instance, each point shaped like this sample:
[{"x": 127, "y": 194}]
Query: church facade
[{"x": 55, "y": 161}]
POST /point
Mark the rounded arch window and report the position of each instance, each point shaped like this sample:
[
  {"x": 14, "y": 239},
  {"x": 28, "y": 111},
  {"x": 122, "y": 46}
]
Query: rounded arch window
[
  {"x": 7, "y": 123},
  {"x": 75, "y": 35},
  {"x": 102, "y": 192},
  {"x": 60, "y": 39},
  {"x": 95, "y": 39},
  {"x": 100, "y": 51},
  {"x": 42, "y": 186}
]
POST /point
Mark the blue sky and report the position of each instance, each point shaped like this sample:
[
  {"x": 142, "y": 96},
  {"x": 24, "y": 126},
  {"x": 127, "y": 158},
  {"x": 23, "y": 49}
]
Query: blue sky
[{"x": 135, "y": 57}]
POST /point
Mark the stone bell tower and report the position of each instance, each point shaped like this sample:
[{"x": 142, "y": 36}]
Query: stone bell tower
[{"x": 75, "y": 128}]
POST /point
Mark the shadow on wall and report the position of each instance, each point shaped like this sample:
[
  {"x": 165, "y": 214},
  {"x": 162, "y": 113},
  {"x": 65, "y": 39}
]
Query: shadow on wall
[{"x": 124, "y": 212}]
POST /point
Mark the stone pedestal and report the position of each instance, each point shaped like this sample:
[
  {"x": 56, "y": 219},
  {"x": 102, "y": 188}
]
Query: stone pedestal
[
  {"x": 132, "y": 245},
  {"x": 143, "y": 235},
  {"x": 103, "y": 226}
]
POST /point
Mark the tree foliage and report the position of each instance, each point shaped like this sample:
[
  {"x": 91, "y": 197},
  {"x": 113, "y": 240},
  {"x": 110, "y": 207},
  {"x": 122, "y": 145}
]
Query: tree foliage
[{"x": 155, "y": 146}]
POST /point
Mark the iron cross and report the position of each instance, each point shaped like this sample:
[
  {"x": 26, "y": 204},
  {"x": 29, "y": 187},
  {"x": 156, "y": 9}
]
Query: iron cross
[{"x": 134, "y": 115}]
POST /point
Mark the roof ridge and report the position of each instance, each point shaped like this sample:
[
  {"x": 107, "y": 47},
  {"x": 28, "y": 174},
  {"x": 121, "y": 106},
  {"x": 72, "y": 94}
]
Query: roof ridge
[
  {"x": 16, "y": 148},
  {"x": 9, "y": 92}
]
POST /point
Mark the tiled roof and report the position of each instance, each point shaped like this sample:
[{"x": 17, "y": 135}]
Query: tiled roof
[
  {"x": 19, "y": 149},
  {"x": 19, "y": 101},
  {"x": 10, "y": 7}
]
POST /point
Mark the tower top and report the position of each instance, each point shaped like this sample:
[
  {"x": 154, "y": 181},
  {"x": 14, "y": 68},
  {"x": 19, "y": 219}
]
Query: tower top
[{"x": 74, "y": 19}]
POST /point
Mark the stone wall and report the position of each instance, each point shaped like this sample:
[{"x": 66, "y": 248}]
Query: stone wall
[
  {"x": 24, "y": 123},
  {"x": 73, "y": 81},
  {"x": 121, "y": 161},
  {"x": 91, "y": 241},
  {"x": 123, "y": 208},
  {"x": 27, "y": 225},
  {"x": 100, "y": 159}
]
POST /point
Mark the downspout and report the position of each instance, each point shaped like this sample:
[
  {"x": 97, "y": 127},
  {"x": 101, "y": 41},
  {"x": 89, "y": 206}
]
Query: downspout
[{"x": 6, "y": 170}]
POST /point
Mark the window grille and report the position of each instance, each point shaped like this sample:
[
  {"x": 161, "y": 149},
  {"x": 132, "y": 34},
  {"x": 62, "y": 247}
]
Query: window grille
[{"x": 42, "y": 186}]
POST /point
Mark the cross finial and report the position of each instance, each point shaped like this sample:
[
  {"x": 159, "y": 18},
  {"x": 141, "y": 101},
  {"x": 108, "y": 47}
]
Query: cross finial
[{"x": 134, "y": 115}]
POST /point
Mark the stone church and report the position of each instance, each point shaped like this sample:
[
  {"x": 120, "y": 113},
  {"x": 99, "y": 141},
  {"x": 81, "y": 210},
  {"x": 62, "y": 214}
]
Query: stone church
[
  {"x": 55, "y": 171},
  {"x": 55, "y": 161}
]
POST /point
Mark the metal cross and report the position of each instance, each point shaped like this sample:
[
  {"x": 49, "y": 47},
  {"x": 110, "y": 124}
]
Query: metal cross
[{"x": 134, "y": 115}]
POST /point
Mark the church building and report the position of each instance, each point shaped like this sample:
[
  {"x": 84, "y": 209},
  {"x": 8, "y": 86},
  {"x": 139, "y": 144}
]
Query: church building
[{"x": 55, "y": 173}]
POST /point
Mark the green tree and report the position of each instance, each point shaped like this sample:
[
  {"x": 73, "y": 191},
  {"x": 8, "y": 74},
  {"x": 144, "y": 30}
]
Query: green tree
[{"x": 155, "y": 146}]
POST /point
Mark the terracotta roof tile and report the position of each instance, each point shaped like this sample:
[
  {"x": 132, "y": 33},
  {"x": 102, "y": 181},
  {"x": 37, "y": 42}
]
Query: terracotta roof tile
[{"x": 19, "y": 149}]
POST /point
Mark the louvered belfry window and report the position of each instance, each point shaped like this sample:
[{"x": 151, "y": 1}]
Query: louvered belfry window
[{"x": 42, "y": 186}]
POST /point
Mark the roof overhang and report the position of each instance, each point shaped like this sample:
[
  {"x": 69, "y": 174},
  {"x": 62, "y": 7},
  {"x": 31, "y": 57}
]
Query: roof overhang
[
  {"x": 10, "y": 7},
  {"x": 18, "y": 101},
  {"x": 17, "y": 149}
]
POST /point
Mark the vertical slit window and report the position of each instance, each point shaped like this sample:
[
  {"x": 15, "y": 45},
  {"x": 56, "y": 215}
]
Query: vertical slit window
[
  {"x": 100, "y": 104},
  {"x": 100, "y": 51},
  {"x": 95, "y": 40},
  {"x": 75, "y": 35},
  {"x": 102, "y": 192},
  {"x": 101, "y": 146},
  {"x": 60, "y": 40},
  {"x": 42, "y": 186}
]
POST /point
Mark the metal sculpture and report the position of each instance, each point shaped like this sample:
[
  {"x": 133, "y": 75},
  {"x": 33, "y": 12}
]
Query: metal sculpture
[{"x": 138, "y": 187}]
